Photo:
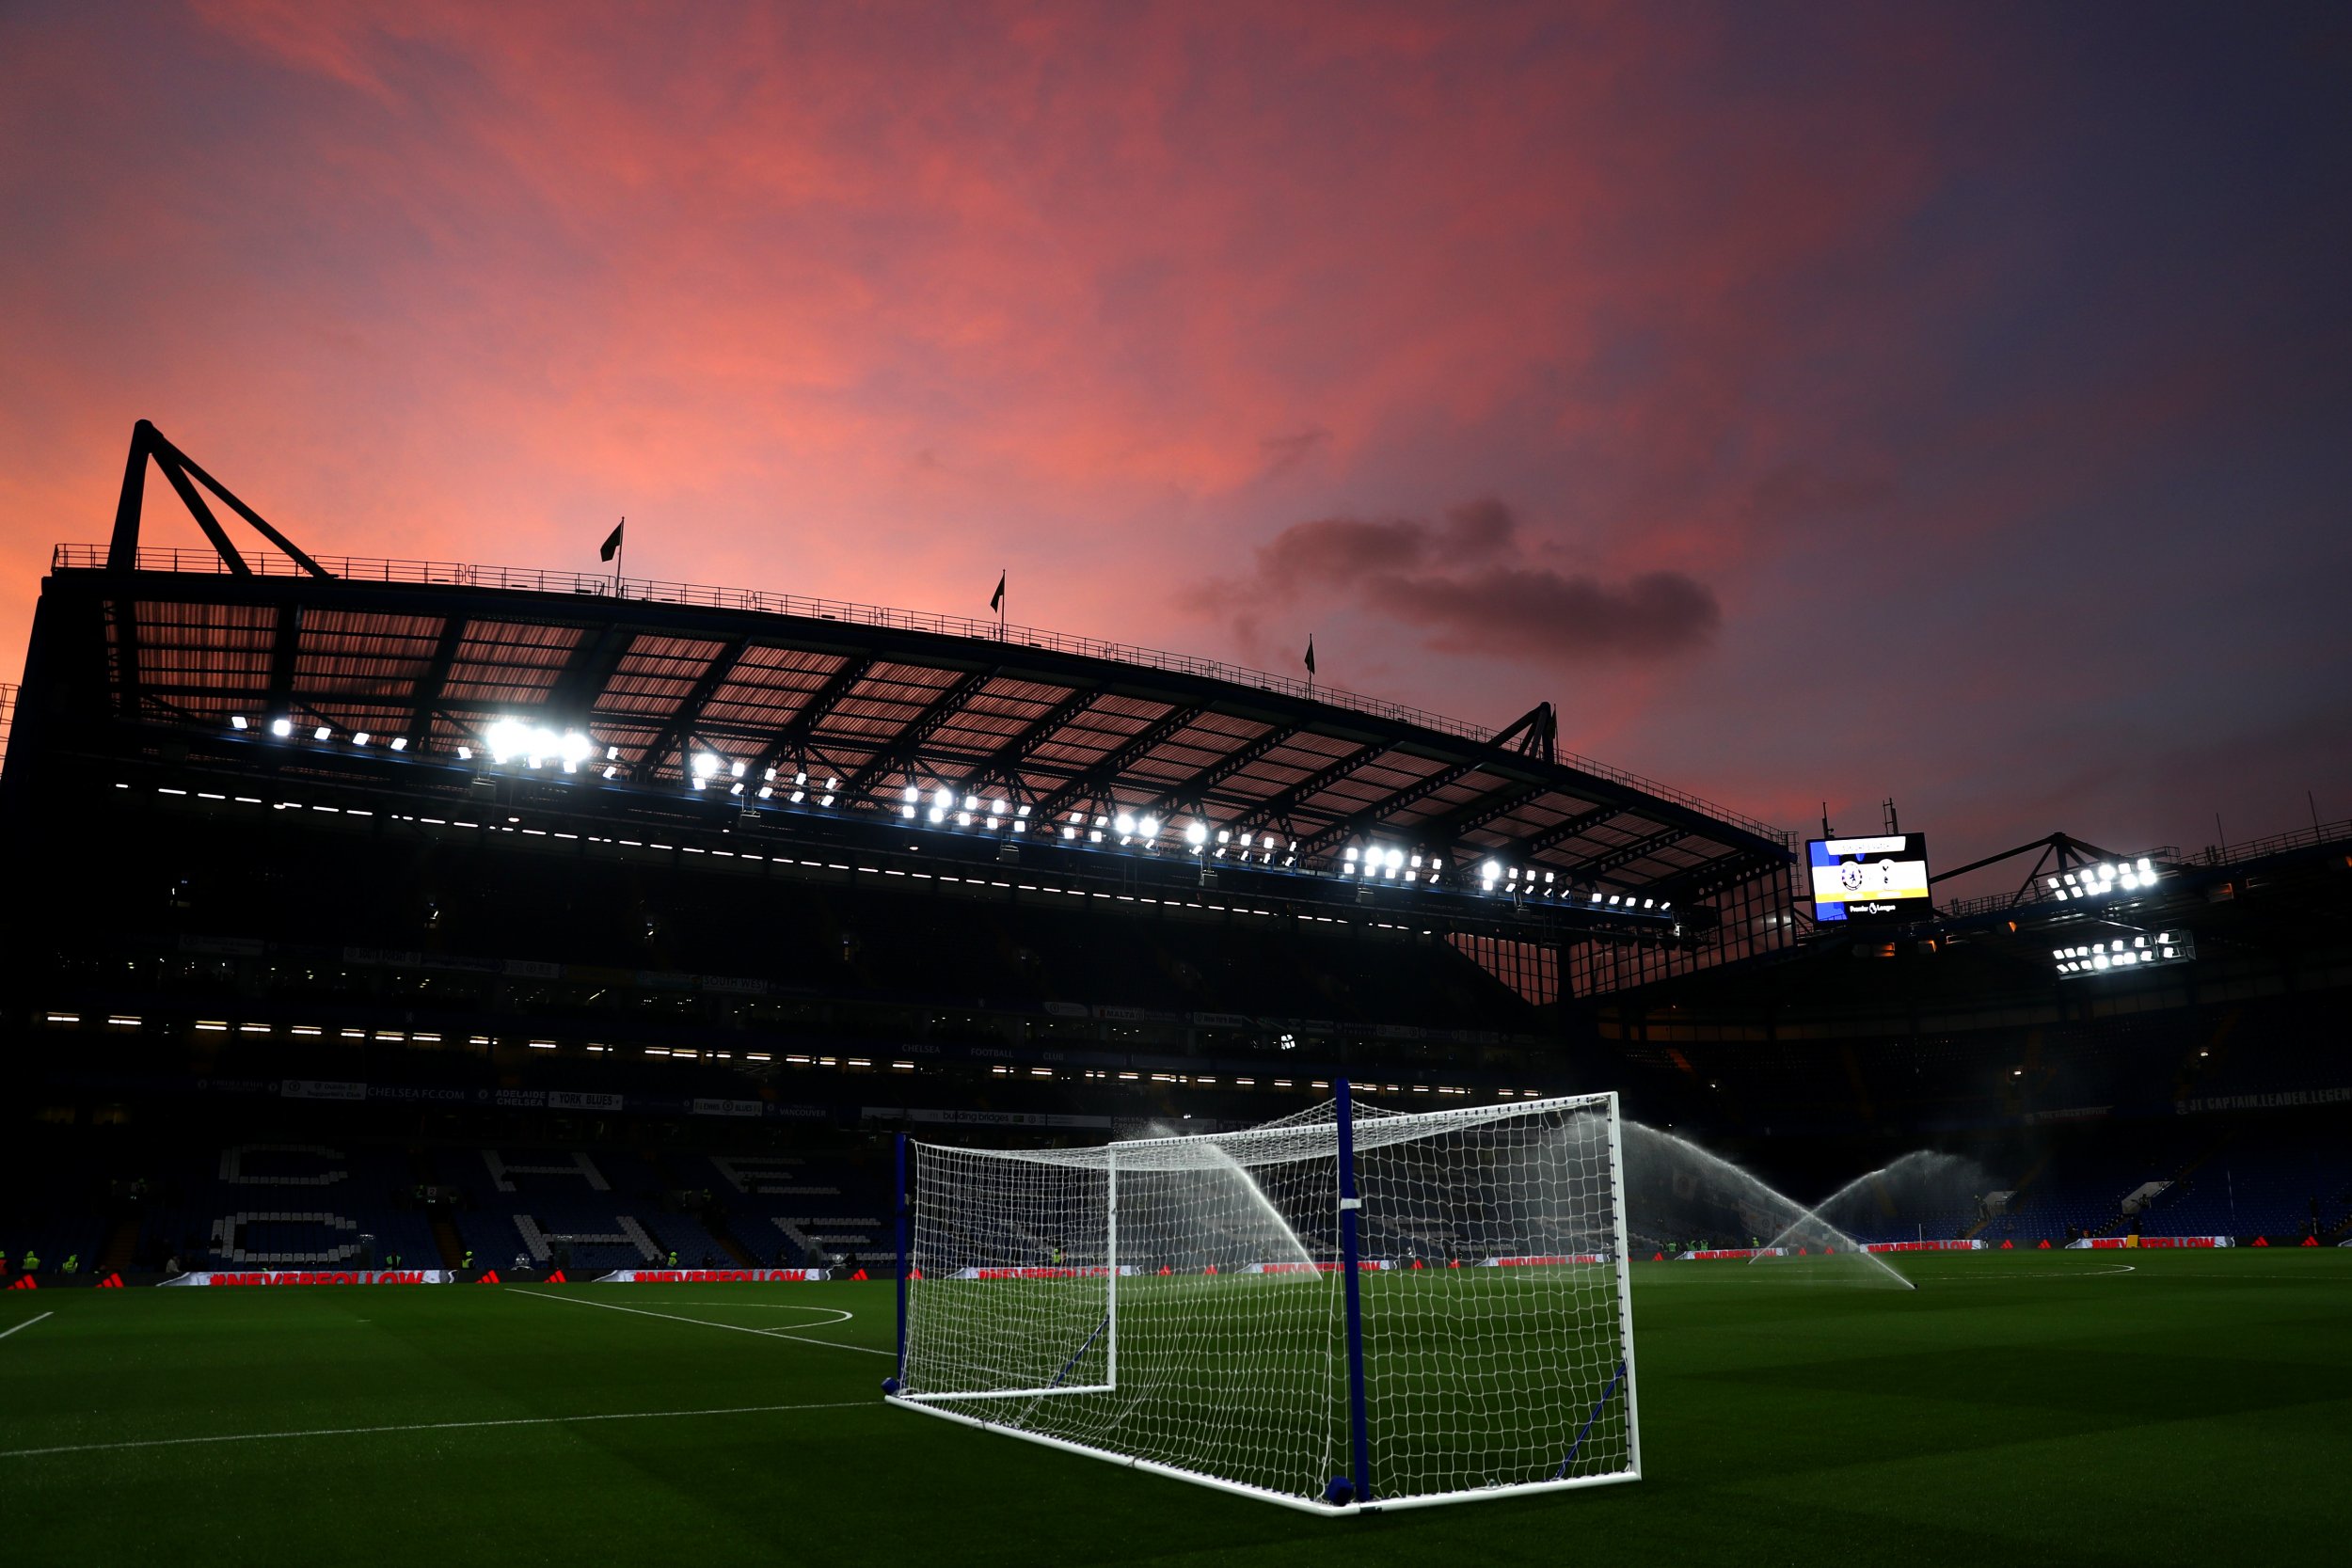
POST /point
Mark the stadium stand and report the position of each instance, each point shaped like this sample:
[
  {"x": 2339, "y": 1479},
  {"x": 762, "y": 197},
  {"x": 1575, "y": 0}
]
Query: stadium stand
[{"x": 285, "y": 934}]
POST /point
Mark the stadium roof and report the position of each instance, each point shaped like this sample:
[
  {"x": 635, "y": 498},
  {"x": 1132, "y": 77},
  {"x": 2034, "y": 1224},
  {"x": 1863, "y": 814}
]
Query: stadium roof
[{"x": 655, "y": 674}]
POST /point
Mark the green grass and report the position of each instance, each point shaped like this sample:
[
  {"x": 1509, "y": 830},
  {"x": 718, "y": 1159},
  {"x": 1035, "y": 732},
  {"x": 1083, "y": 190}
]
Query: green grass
[{"x": 2033, "y": 1407}]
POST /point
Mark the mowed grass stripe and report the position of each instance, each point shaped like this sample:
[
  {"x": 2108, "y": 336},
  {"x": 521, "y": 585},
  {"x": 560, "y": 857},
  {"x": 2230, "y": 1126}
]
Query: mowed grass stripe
[
  {"x": 426, "y": 1426},
  {"x": 2186, "y": 1414}
]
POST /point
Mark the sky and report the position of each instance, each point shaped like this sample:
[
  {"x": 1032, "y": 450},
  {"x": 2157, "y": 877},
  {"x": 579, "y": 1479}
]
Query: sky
[{"x": 1819, "y": 403}]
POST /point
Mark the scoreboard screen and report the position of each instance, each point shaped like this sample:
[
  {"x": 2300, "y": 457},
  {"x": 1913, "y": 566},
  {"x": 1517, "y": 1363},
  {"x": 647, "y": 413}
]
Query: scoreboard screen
[{"x": 1884, "y": 877}]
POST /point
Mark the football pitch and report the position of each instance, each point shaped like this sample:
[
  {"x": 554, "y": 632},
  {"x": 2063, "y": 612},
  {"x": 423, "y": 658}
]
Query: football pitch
[{"x": 2190, "y": 1407}]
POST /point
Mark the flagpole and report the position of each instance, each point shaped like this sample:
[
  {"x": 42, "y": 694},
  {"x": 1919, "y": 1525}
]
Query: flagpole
[
  {"x": 1004, "y": 575},
  {"x": 620, "y": 553}
]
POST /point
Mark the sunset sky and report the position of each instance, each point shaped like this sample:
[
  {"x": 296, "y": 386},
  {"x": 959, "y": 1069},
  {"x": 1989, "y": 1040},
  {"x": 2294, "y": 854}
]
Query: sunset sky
[{"x": 1817, "y": 402}]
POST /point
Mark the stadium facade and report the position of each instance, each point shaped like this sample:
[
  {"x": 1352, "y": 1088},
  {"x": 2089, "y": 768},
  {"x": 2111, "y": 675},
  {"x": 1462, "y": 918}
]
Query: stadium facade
[{"x": 343, "y": 850}]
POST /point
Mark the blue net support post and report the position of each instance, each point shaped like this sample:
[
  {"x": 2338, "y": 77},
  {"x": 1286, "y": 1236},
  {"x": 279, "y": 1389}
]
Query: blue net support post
[
  {"x": 905, "y": 1247},
  {"x": 1351, "y": 1207}
]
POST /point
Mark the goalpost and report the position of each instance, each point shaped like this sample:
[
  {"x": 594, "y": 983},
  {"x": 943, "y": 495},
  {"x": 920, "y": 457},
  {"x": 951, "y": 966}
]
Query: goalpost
[{"x": 1350, "y": 1309}]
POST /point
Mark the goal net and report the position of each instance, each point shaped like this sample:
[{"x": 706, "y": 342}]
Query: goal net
[{"x": 1349, "y": 1308}]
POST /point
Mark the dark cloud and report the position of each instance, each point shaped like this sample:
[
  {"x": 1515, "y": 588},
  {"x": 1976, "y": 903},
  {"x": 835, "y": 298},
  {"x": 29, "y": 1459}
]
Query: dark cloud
[
  {"x": 1508, "y": 611},
  {"x": 1333, "y": 551},
  {"x": 1461, "y": 584},
  {"x": 1285, "y": 452},
  {"x": 1476, "y": 529}
]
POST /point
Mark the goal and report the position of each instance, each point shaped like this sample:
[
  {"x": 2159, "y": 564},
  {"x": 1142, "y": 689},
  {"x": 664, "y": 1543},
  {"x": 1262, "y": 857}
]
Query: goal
[{"x": 1351, "y": 1308}]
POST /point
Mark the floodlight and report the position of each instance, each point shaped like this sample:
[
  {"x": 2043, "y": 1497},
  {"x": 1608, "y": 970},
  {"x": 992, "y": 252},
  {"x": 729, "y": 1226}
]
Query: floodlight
[
  {"x": 943, "y": 799},
  {"x": 612, "y": 753},
  {"x": 321, "y": 733},
  {"x": 465, "y": 753},
  {"x": 282, "y": 727},
  {"x": 736, "y": 771},
  {"x": 824, "y": 799},
  {"x": 400, "y": 743},
  {"x": 971, "y": 802},
  {"x": 1149, "y": 827},
  {"x": 706, "y": 764},
  {"x": 1491, "y": 870},
  {"x": 1197, "y": 834},
  {"x": 1125, "y": 824},
  {"x": 236, "y": 721},
  {"x": 938, "y": 813},
  {"x": 1396, "y": 858},
  {"x": 912, "y": 792}
]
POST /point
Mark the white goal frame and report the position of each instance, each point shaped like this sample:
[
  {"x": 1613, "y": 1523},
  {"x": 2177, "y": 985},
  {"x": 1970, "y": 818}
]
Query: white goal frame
[{"x": 1357, "y": 1490}]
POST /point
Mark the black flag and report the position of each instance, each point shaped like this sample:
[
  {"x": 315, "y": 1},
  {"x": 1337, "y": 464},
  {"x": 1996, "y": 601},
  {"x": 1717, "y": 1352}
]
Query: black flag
[
  {"x": 997, "y": 602},
  {"x": 1311, "y": 653},
  {"x": 612, "y": 541}
]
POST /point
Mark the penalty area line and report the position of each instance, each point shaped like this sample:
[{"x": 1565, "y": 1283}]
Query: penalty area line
[
  {"x": 430, "y": 1426},
  {"x": 26, "y": 1324},
  {"x": 705, "y": 1322}
]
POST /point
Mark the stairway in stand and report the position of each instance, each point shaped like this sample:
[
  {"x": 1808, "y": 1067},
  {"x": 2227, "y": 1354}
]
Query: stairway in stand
[
  {"x": 122, "y": 1246},
  {"x": 445, "y": 1238}
]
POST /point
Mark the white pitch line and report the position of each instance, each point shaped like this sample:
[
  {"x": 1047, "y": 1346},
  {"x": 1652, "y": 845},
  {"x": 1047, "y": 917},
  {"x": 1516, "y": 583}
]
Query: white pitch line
[
  {"x": 738, "y": 1328},
  {"x": 26, "y": 1324},
  {"x": 432, "y": 1426},
  {"x": 838, "y": 1315}
]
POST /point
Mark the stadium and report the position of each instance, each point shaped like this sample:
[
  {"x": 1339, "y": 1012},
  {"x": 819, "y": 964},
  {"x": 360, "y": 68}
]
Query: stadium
[{"x": 728, "y": 1001}]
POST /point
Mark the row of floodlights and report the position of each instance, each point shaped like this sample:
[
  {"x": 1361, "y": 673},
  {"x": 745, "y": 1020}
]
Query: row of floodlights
[
  {"x": 1510, "y": 879},
  {"x": 2121, "y": 953},
  {"x": 2101, "y": 880},
  {"x": 284, "y": 728},
  {"x": 538, "y": 746}
]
